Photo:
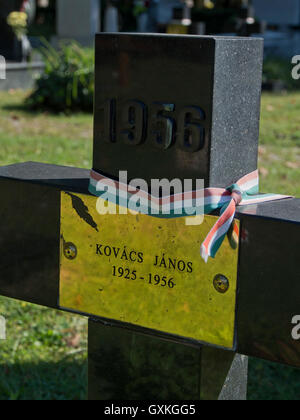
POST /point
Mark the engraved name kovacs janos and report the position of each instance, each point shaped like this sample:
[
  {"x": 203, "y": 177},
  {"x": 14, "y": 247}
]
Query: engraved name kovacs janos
[{"x": 125, "y": 255}]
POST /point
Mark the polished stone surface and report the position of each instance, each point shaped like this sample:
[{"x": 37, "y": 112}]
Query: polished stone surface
[
  {"x": 29, "y": 242},
  {"x": 177, "y": 106},
  {"x": 30, "y": 228},
  {"x": 127, "y": 365},
  {"x": 269, "y": 287},
  {"x": 60, "y": 177}
]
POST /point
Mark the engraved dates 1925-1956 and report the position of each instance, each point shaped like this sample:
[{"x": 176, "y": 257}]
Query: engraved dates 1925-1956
[
  {"x": 152, "y": 279},
  {"x": 134, "y": 123}
]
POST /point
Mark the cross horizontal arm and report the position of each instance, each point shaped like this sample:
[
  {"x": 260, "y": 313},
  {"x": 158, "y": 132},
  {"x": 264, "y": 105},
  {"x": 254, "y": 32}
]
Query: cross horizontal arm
[
  {"x": 269, "y": 287},
  {"x": 30, "y": 229},
  {"x": 269, "y": 281}
]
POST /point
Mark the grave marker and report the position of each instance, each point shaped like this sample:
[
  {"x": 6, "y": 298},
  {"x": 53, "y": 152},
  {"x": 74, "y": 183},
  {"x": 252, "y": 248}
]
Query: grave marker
[
  {"x": 78, "y": 20},
  {"x": 10, "y": 46},
  {"x": 172, "y": 330}
]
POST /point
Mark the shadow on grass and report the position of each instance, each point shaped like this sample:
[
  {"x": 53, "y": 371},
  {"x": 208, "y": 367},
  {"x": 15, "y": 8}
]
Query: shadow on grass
[
  {"x": 273, "y": 382},
  {"x": 65, "y": 380},
  {"x": 22, "y": 108},
  {"x": 25, "y": 109}
]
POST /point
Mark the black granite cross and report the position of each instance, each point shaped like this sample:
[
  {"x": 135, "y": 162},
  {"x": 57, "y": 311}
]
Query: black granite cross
[{"x": 166, "y": 106}]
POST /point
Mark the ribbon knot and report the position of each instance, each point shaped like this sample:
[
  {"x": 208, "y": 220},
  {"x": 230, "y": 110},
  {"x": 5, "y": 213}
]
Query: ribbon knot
[
  {"x": 244, "y": 192},
  {"x": 236, "y": 194},
  {"x": 216, "y": 236}
]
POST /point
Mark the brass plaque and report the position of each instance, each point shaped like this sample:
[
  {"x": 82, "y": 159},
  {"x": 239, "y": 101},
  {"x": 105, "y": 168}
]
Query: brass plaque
[{"x": 146, "y": 271}]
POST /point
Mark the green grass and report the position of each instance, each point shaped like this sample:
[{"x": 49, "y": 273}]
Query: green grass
[
  {"x": 279, "y": 152},
  {"x": 270, "y": 381},
  {"x": 43, "y": 137},
  {"x": 44, "y": 356}
]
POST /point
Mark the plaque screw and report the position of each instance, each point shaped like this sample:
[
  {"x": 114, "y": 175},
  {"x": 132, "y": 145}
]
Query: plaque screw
[
  {"x": 70, "y": 251},
  {"x": 221, "y": 283}
]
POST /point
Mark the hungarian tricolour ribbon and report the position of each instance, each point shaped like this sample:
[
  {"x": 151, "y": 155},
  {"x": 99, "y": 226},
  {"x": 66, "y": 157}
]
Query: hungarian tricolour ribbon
[{"x": 244, "y": 192}]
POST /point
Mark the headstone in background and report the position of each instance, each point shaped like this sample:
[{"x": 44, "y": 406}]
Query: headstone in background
[
  {"x": 142, "y": 23},
  {"x": 283, "y": 41},
  {"x": 15, "y": 72},
  {"x": 278, "y": 12},
  {"x": 78, "y": 20},
  {"x": 10, "y": 46},
  {"x": 111, "y": 18},
  {"x": 165, "y": 10}
]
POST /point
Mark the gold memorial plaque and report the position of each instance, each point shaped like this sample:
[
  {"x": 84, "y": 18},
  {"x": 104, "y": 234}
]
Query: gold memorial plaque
[{"x": 146, "y": 271}]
